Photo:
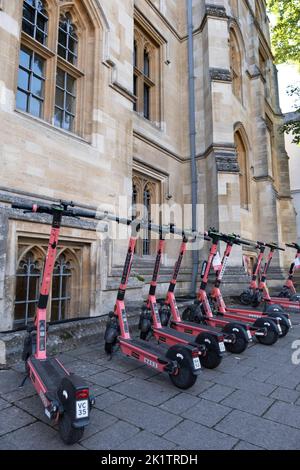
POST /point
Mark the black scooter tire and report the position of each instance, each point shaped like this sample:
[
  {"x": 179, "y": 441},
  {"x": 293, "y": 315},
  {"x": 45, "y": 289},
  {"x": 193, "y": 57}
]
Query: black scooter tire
[
  {"x": 245, "y": 298},
  {"x": 184, "y": 376},
  {"x": 284, "y": 324},
  {"x": 272, "y": 334},
  {"x": 143, "y": 335},
  {"x": 212, "y": 357},
  {"x": 268, "y": 308},
  {"x": 67, "y": 432},
  {"x": 184, "y": 379},
  {"x": 241, "y": 342},
  {"x": 187, "y": 314},
  {"x": 295, "y": 298},
  {"x": 109, "y": 347}
]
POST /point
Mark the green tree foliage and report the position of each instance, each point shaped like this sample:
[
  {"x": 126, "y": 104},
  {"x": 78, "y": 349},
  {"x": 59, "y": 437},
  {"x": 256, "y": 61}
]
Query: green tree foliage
[
  {"x": 286, "y": 44},
  {"x": 286, "y": 32},
  {"x": 293, "y": 127}
]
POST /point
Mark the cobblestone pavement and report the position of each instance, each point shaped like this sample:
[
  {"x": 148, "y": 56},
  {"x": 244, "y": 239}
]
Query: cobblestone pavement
[{"x": 249, "y": 402}]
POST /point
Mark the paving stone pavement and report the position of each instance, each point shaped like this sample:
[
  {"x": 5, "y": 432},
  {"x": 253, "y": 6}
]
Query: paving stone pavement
[{"x": 251, "y": 401}]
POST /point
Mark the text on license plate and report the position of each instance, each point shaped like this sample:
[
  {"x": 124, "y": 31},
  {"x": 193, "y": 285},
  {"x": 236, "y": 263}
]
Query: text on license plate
[
  {"x": 222, "y": 347},
  {"x": 82, "y": 409},
  {"x": 197, "y": 364}
]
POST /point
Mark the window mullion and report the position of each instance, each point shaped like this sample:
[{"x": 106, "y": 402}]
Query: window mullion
[{"x": 27, "y": 291}]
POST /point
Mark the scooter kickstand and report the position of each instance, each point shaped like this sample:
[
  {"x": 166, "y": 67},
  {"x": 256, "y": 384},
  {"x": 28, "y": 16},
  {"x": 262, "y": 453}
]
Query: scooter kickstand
[{"x": 23, "y": 381}]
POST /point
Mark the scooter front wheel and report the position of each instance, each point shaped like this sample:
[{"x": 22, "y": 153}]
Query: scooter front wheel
[
  {"x": 245, "y": 298},
  {"x": 109, "y": 347},
  {"x": 67, "y": 432},
  {"x": 212, "y": 358}
]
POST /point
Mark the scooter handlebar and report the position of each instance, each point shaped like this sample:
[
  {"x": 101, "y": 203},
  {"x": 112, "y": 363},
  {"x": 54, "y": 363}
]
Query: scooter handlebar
[
  {"x": 45, "y": 209},
  {"x": 274, "y": 246},
  {"x": 295, "y": 246},
  {"x": 36, "y": 208}
]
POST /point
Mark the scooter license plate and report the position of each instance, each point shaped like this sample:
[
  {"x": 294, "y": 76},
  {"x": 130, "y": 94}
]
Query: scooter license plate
[
  {"x": 222, "y": 347},
  {"x": 197, "y": 364},
  {"x": 249, "y": 334},
  {"x": 82, "y": 409}
]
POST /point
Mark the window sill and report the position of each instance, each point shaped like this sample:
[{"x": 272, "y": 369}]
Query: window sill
[
  {"x": 157, "y": 127},
  {"x": 51, "y": 127}
]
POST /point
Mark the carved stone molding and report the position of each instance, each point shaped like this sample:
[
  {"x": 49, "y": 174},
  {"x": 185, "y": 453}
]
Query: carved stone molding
[
  {"x": 227, "y": 162},
  {"x": 220, "y": 75},
  {"x": 216, "y": 11}
]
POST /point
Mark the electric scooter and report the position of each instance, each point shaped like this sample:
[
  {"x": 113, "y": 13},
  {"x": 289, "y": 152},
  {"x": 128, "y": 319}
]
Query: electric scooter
[
  {"x": 219, "y": 303},
  {"x": 265, "y": 330},
  {"x": 287, "y": 304},
  {"x": 253, "y": 295},
  {"x": 212, "y": 344},
  {"x": 65, "y": 396},
  {"x": 236, "y": 335},
  {"x": 180, "y": 361},
  {"x": 289, "y": 289}
]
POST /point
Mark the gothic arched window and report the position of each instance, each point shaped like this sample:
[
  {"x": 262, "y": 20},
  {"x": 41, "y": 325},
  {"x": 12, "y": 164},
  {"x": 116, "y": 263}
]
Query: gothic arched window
[
  {"x": 146, "y": 75},
  {"x": 145, "y": 193},
  {"x": 243, "y": 161},
  {"x": 236, "y": 65},
  {"x": 69, "y": 295}
]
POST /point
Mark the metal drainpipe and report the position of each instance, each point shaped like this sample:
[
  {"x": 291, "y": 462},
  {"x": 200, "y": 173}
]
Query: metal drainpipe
[{"x": 192, "y": 126}]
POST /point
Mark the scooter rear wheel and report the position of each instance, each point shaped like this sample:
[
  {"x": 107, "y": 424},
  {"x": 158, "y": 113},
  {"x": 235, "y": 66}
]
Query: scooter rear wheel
[
  {"x": 241, "y": 342},
  {"x": 271, "y": 337},
  {"x": 67, "y": 432},
  {"x": 295, "y": 298},
  {"x": 212, "y": 358},
  {"x": 285, "y": 328},
  {"x": 184, "y": 378}
]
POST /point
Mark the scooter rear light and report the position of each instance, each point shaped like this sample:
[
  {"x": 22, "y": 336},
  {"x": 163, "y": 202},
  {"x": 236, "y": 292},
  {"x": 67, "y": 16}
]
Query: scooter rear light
[
  {"x": 195, "y": 353},
  {"x": 82, "y": 394}
]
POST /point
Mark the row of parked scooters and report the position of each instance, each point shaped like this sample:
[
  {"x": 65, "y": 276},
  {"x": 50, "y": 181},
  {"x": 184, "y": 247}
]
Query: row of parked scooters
[{"x": 180, "y": 345}]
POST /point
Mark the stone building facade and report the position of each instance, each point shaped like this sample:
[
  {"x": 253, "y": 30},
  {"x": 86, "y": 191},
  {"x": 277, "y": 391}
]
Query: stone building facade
[{"x": 94, "y": 104}]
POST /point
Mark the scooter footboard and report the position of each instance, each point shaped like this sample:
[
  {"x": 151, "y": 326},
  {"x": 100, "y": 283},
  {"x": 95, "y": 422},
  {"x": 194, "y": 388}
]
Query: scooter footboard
[{"x": 144, "y": 353}]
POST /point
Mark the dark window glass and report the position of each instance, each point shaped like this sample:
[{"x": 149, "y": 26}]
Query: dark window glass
[
  {"x": 35, "y": 20},
  {"x": 65, "y": 101},
  {"x": 147, "y": 216},
  {"x": 135, "y": 91},
  {"x": 146, "y": 64},
  {"x": 67, "y": 40},
  {"x": 146, "y": 101},
  {"x": 135, "y": 54},
  {"x": 27, "y": 290},
  {"x": 60, "y": 289},
  {"x": 30, "y": 91}
]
